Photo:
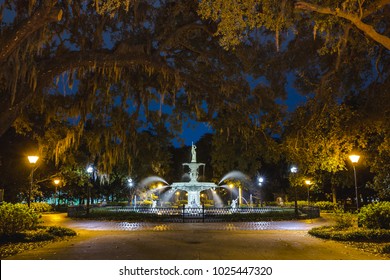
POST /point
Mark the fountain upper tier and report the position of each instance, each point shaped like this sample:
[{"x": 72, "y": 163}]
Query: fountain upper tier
[{"x": 193, "y": 186}]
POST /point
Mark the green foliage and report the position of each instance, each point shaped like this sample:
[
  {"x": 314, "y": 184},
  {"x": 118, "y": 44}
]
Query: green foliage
[
  {"x": 41, "y": 207},
  {"x": 343, "y": 219},
  {"x": 351, "y": 234},
  {"x": 235, "y": 18},
  {"x": 17, "y": 218},
  {"x": 375, "y": 215},
  {"x": 386, "y": 249},
  {"x": 326, "y": 205},
  {"x": 271, "y": 203},
  {"x": 316, "y": 138},
  {"x": 380, "y": 162},
  {"x": 30, "y": 239},
  {"x": 299, "y": 202}
]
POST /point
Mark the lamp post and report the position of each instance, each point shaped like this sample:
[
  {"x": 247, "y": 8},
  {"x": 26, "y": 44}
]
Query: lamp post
[
  {"x": 90, "y": 170},
  {"x": 130, "y": 183},
  {"x": 56, "y": 184},
  {"x": 308, "y": 183},
  {"x": 294, "y": 170},
  {"x": 260, "y": 181},
  {"x": 355, "y": 159},
  {"x": 33, "y": 160}
]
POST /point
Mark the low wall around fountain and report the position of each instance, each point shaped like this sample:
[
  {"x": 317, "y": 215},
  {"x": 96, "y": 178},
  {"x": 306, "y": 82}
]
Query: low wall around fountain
[{"x": 181, "y": 214}]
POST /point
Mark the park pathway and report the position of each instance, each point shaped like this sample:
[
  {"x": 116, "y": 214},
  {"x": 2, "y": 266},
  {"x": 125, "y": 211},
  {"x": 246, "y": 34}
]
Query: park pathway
[{"x": 104, "y": 240}]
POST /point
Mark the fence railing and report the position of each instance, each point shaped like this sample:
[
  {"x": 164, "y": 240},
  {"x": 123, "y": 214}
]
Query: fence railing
[{"x": 201, "y": 214}]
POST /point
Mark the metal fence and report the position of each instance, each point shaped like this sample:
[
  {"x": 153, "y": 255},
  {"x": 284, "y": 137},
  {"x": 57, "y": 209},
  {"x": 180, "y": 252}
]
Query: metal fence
[{"x": 201, "y": 214}]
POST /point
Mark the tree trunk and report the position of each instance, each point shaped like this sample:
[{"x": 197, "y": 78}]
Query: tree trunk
[{"x": 334, "y": 194}]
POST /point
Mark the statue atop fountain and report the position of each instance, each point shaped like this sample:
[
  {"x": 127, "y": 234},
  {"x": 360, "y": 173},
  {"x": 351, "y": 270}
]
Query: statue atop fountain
[{"x": 193, "y": 152}]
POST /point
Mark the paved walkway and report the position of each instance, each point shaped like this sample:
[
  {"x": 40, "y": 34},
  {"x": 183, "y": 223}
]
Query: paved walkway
[{"x": 284, "y": 240}]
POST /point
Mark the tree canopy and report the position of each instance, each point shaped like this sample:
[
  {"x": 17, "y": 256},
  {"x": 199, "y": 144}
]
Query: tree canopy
[
  {"x": 116, "y": 79},
  {"x": 82, "y": 62}
]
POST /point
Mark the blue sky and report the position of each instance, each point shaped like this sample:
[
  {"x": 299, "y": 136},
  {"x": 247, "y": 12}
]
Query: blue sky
[{"x": 193, "y": 131}]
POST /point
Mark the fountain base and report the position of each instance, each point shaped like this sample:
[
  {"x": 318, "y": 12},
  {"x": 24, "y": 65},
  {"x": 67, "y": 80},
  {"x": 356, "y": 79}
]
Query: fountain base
[{"x": 193, "y": 189}]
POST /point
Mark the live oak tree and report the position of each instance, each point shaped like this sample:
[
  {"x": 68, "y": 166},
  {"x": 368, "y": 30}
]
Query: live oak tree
[
  {"x": 318, "y": 138},
  {"x": 237, "y": 18},
  {"x": 334, "y": 50},
  {"x": 109, "y": 63},
  {"x": 78, "y": 61}
]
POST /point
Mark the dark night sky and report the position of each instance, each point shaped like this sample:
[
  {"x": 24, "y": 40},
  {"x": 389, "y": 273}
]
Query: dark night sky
[{"x": 193, "y": 131}]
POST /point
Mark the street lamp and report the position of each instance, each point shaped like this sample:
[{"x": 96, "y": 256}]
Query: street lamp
[
  {"x": 355, "y": 159},
  {"x": 56, "y": 184},
  {"x": 308, "y": 183},
  {"x": 294, "y": 170},
  {"x": 130, "y": 184},
  {"x": 260, "y": 181},
  {"x": 33, "y": 160},
  {"x": 90, "y": 170}
]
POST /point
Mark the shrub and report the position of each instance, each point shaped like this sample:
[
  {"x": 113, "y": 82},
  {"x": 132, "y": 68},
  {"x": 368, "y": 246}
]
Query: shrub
[
  {"x": 37, "y": 235},
  {"x": 16, "y": 218},
  {"x": 41, "y": 207},
  {"x": 292, "y": 203},
  {"x": 60, "y": 231},
  {"x": 351, "y": 234},
  {"x": 343, "y": 220},
  {"x": 326, "y": 205},
  {"x": 375, "y": 215},
  {"x": 386, "y": 249},
  {"x": 270, "y": 203}
]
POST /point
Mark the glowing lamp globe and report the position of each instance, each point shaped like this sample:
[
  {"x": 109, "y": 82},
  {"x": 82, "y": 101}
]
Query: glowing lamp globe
[
  {"x": 33, "y": 159},
  {"x": 354, "y": 158}
]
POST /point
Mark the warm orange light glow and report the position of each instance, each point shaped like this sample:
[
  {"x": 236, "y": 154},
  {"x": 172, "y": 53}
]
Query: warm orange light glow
[
  {"x": 56, "y": 181},
  {"x": 33, "y": 159},
  {"x": 231, "y": 186},
  {"x": 354, "y": 158},
  {"x": 307, "y": 182}
]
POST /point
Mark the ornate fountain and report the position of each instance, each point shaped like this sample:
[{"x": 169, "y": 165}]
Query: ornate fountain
[{"x": 193, "y": 187}]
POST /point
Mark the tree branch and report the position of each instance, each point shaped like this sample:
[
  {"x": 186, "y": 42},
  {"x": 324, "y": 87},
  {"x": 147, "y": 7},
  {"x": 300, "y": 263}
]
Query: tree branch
[
  {"x": 10, "y": 113},
  {"x": 373, "y": 8},
  {"x": 49, "y": 69},
  {"x": 356, "y": 21},
  {"x": 44, "y": 15}
]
